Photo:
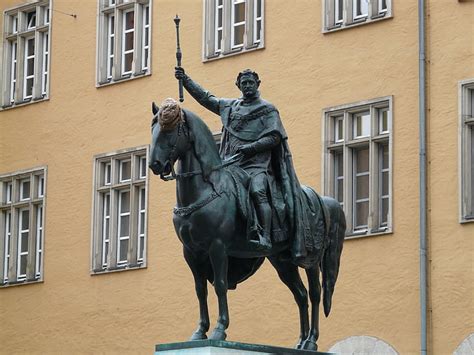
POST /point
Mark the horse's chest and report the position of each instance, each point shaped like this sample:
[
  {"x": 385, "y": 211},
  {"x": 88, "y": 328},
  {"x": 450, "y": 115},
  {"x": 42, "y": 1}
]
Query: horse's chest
[{"x": 195, "y": 230}]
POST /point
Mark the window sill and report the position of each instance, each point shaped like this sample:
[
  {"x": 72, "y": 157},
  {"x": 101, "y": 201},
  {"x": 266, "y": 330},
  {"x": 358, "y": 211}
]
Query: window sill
[
  {"x": 231, "y": 53},
  {"x": 357, "y": 23},
  {"x": 123, "y": 79},
  {"x": 24, "y": 103},
  {"x": 21, "y": 283},
  {"x": 118, "y": 269},
  {"x": 467, "y": 219},
  {"x": 373, "y": 233}
]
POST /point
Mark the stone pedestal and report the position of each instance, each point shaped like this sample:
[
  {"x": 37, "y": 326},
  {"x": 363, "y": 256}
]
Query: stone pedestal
[{"x": 219, "y": 347}]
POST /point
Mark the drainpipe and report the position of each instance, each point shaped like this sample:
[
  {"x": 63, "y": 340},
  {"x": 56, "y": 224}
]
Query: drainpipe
[{"x": 422, "y": 153}]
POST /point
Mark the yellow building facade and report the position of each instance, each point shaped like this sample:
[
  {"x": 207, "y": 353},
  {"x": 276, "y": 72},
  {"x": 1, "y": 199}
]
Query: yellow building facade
[{"x": 78, "y": 79}]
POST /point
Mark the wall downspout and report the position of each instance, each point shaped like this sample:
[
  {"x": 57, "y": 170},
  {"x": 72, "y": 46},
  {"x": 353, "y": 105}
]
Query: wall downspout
[{"x": 422, "y": 182}]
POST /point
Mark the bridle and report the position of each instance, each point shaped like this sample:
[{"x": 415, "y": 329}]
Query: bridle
[{"x": 184, "y": 131}]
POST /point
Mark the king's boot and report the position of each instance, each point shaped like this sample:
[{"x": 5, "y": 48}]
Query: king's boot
[{"x": 264, "y": 214}]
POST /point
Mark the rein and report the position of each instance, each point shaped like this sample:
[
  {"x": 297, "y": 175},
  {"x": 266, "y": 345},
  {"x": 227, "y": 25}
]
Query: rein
[{"x": 233, "y": 159}]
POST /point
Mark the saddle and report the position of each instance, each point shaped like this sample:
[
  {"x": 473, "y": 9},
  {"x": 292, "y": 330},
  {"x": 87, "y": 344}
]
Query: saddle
[{"x": 319, "y": 221}]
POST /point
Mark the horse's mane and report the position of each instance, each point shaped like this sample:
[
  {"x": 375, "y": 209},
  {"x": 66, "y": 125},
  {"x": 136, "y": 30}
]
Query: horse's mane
[{"x": 205, "y": 146}]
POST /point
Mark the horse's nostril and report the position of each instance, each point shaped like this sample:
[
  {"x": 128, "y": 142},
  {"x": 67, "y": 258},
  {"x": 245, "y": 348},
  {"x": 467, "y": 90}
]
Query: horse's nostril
[{"x": 155, "y": 166}]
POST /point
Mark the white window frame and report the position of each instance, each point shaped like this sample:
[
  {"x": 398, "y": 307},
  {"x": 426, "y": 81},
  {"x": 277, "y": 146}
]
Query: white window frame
[
  {"x": 10, "y": 232},
  {"x": 16, "y": 32},
  {"x": 109, "y": 74},
  {"x": 331, "y": 20},
  {"x": 100, "y": 262},
  {"x": 334, "y": 149},
  {"x": 465, "y": 155},
  {"x": 213, "y": 50}
]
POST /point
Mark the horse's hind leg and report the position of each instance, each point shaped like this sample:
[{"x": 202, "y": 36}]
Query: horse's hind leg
[
  {"x": 288, "y": 273},
  {"x": 219, "y": 261},
  {"x": 199, "y": 268},
  {"x": 315, "y": 298}
]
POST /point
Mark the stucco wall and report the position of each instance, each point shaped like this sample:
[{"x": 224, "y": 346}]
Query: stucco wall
[{"x": 302, "y": 72}]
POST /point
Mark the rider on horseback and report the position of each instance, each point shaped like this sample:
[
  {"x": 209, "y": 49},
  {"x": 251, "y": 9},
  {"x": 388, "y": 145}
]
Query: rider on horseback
[{"x": 252, "y": 127}]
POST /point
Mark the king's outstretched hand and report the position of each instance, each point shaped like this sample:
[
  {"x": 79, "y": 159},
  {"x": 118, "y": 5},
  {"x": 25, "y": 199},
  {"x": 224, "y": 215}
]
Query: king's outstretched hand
[{"x": 179, "y": 73}]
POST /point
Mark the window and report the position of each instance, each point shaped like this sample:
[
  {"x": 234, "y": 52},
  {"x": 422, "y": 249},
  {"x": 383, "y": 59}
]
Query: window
[
  {"x": 233, "y": 26},
  {"x": 124, "y": 40},
  {"x": 119, "y": 235},
  {"x": 467, "y": 150},
  {"x": 26, "y": 54},
  {"x": 357, "y": 163},
  {"x": 340, "y": 14},
  {"x": 22, "y": 200}
]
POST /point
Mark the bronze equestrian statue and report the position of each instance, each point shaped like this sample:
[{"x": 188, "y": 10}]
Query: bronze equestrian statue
[{"x": 243, "y": 203}]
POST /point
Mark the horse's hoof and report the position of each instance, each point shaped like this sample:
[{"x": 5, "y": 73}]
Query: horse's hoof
[
  {"x": 299, "y": 345},
  {"x": 218, "y": 334},
  {"x": 309, "y": 345},
  {"x": 198, "y": 336}
]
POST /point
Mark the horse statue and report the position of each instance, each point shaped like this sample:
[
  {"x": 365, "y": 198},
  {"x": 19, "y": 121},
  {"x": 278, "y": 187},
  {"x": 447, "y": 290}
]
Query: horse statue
[{"x": 212, "y": 231}]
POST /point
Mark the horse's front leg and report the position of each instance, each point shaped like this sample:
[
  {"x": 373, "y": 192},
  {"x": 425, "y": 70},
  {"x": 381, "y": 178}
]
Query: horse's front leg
[
  {"x": 199, "y": 269},
  {"x": 315, "y": 296},
  {"x": 219, "y": 261}
]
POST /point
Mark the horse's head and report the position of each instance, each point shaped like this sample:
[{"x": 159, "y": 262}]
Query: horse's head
[{"x": 169, "y": 138}]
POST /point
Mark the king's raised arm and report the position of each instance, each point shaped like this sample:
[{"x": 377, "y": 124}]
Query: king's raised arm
[{"x": 204, "y": 97}]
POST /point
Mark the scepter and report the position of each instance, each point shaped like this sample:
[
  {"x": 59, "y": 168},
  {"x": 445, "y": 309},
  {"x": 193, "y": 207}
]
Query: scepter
[{"x": 178, "y": 58}]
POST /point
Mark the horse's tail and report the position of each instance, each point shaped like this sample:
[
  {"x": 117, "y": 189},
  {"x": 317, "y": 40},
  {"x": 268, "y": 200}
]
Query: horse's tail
[{"x": 332, "y": 255}]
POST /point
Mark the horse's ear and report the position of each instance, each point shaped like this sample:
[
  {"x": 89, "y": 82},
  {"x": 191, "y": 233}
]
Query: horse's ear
[{"x": 154, "y": 108}]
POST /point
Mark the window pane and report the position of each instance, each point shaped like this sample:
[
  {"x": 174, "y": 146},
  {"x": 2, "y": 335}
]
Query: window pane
[
  {"x": 361, "y": 124},
  {"x": 142, "y": 223},
  {"x": 338, "y": 129},
  {"x": 29, "y": 87},
  {"x": 125, "y": 202},
  {"x": 340, "y": 190},
  {"x": 362, "y": 160},
  {"x": 23, "y": 262},
  {"x": 129, "y": 20},
  {"x": 362, "y": 213},
  {"x": 472, "y": 169},
  {"x": 31, "y": 19},
  {"x": 385, "y": 157},
  {"x": 30, "y": 67},
  {"x": 471, "y": 101},
  {"x": 259, "y": 8},
  {"x": 239, "y": 35},
  {"x": 25, "y": 219},
  {"x": 124, "y": 226},
  {"x": 219, "y": 17},
  {"x": 128, "y": 62},
  {"x": 383, "y": 120},
  {"x": 384, "y": 217},
  {"x": 385, "y": 183},
  {"x": 123, "y": 249},
  {"x": 30, "y": 47},
  {"x": 147, "y": 15},
  {"x": 362, "y": 187},
  {"x": 259, "y": 30},
  {"x": 142, "y": 247},
  {"x": 129, "y": 41},
  {"x": 25, "y": 189},
  {"x": 142, "y": 199},
  {"x": 125, "y": 170},
  {"x": 142, "y": 167},
  {"x": 24, "y": 242},
  {"x": 239, "y": 12}
]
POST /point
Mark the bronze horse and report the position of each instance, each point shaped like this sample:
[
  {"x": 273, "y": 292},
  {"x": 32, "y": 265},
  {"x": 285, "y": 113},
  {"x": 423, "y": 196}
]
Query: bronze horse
[{"x": 212, "y": 231}]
